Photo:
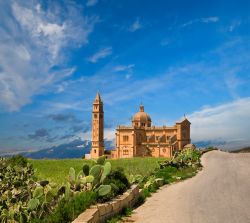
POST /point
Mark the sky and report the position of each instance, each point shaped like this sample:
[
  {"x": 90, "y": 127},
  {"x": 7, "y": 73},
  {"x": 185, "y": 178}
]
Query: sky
[{"x": 176, "y": 57}]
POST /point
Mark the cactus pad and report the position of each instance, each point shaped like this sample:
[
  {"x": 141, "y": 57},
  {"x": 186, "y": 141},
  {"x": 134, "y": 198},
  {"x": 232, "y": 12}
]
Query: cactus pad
[
  {"x": 33, "y": 204},
  {"x": 72, "y": 174},
  {"x": 38, "y": 192},
  {"x": 104, "y": 190},
  {"x": 85, "y": 169},
  {"x": 101, "y": 160}
]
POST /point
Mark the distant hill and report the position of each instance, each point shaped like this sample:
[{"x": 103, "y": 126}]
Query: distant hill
[
  {"x": 209, "y": 143},
  {"x": 243, "y": 150},
  {"x": 74, "y": 149}
]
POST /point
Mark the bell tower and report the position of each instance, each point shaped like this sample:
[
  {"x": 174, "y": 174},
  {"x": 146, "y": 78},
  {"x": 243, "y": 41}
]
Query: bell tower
[{"x": 97, "y": 128}]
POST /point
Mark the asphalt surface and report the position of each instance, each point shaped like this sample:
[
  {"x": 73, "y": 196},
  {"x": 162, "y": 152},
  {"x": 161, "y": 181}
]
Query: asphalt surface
[{"x": 217, "y": 194}]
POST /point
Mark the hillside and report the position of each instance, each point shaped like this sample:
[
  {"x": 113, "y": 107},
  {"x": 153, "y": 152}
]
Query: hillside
[
  {"x": 243, "y": 150},
  {"x": 74, "y": 149}
]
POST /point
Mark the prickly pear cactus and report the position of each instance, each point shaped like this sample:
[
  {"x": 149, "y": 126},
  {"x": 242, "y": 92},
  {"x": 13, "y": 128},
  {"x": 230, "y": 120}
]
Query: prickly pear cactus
[
  {"x": 72, "y": 175},
  {"x": 85, "y": 169},
  {"x": 96, "y": 172},
  {"x": 104, "y": 190},
  {"x": 101, "y": 160},
  {"x": 91, "y": 178},
  {"x": 33, "y": 204},
  {"x": 23, "y": 199},
  {"x": 106, "y": 171},
  {"x": 38, "y": 192}
]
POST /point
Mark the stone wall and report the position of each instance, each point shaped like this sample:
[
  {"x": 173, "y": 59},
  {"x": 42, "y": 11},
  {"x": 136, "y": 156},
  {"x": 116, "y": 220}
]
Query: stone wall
[{"x": 101, "y": 212}]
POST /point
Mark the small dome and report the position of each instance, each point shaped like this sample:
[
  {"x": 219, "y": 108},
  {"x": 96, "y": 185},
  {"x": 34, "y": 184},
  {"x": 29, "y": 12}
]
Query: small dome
[{"x": 141, "y": 116}]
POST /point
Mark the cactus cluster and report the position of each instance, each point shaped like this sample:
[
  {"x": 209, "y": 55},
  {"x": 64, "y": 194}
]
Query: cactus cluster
[
  {"x": 22, "y": 198},
  {"x": 150, "y": 182},
  {"x": 91, "y": 178},
  {"x": 184, "y": 158},
  {"x": 153, "y": 182}
]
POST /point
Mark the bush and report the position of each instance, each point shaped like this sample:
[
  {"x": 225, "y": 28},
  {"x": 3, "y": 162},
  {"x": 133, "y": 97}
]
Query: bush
[
  {"x": 18, "y": 160},
  {"x": 119, "y": 184},
  {"x": 166, "y": 174},
  {"x": 118, "y": 178},
  {"x": 68, "y": 209}
]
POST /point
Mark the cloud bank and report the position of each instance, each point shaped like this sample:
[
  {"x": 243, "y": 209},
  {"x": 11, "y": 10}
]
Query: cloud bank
[
  {"x": 229, "y": 122},
  {"x": 31, "y": 39}
]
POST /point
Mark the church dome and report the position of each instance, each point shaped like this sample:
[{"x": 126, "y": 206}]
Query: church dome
[{"x": 141, "y": 116}]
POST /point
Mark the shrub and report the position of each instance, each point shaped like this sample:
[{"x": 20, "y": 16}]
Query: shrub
[
  {"x": 166, "y": 174},
  {"x": 18, "y": 160},
  {"x": 68, "y": 209},
  {"x": 119, "y": 179},
  {"x": 141, "y": 199}
]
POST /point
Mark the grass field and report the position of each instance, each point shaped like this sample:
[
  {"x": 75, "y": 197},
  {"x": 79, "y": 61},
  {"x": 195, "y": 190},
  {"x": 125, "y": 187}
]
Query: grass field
[{"x": 57, "y": 170}]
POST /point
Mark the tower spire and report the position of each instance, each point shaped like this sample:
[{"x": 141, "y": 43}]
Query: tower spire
[{"x": 98, "y": 97}]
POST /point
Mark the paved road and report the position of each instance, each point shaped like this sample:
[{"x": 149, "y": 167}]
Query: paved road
[{"x": 220, "y": 193}]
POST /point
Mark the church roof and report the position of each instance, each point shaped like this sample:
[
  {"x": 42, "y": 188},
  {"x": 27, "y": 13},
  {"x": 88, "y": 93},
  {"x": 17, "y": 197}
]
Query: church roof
[{"x": 141, "y": 116}]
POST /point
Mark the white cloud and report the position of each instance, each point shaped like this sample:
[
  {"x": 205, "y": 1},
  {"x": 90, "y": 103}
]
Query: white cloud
[
  {"x": 91, "y": 3},
  {"x": 212, "y": 19},
  {"x": 31, "y": 44},
  {"x": 123, "y": 67},
  {"x": 135, "y": 26},
  {"x": 23, "y": 53},
  {"x": 126, "y": 70},
  {"x": 103, "y": 53},
  {"x": 229, "y": 122}
]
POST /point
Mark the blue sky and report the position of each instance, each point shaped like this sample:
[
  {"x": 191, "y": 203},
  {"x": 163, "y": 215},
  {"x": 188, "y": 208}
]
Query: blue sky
[{"x": 176, "y": 57}]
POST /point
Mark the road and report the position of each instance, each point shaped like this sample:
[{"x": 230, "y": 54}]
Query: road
[{"x": 217, "y": 194}]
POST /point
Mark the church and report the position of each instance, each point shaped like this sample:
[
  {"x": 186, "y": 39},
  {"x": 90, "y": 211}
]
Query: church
[{"x": 141, "y": 139}]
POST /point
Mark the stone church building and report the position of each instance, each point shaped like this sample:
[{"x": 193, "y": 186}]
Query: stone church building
[{"x": 141, "y": 138}]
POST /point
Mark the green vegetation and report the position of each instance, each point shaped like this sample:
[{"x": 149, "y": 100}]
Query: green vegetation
[
  {"x": 24, "y": 199},
  {"x": 100, "y": 178},
  {"x": 119, "y": 217},
  {"x": 68, "y": 209},
  {"x": 57, "y": 170},
  {"x": 77, "y": 184}
]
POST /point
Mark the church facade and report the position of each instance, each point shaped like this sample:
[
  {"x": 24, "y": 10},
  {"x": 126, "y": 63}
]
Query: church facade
[{"x": 141, "y": 139}]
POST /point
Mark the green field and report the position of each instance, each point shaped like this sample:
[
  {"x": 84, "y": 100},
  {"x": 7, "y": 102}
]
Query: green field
[{"x": 56, "y": 171}]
